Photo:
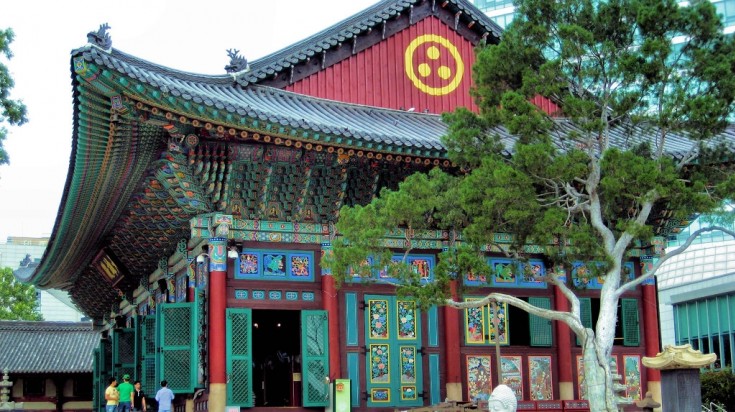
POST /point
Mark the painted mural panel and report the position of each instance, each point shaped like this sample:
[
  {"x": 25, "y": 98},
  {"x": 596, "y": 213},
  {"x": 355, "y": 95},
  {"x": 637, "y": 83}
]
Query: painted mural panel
[
  {"x": 581, "y": 378},
  {"x": 474, "y": 325},
  {"x": 632, "y": 366},
  {"x": 512, "y": 374},
  {"x": 479, "y": 377},
  {"x": 484, "y": 324},
  {"x": 540, "y": 378}
]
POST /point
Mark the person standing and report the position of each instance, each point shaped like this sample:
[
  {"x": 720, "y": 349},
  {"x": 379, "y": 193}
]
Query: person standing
[
  {"x": 112, "y": 396},
  {"x": 126, "y": 394},
  {"x": 138, "y": 398},
  {"x": 164, "y": 397}
]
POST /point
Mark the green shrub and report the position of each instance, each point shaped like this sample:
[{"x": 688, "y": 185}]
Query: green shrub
[{"x": 719, "y": 387}]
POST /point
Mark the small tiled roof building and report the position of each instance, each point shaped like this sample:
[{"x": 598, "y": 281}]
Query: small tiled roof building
[{"x": 49, "y": 363}]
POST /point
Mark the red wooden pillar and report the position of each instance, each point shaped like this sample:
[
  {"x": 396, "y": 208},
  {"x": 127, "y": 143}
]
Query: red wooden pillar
[
  {"x": 330, "y": 304},
  {"x": 217, "y": 321},
  {"x": 563, "y": 348},
  {"x": 650, "y": 333},
  {"x": 452, "y": 346}
]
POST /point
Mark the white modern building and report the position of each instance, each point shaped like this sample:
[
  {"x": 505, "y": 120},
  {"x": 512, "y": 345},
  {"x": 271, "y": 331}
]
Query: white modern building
[
  {"x": 696, "y": 291},
  {"x": 17, "y": 252}
]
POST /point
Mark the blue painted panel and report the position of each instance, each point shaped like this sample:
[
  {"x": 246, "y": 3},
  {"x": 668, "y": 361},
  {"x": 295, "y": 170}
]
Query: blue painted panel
[
  {"x": 583, "y": 278},
  {"x": 353, "y": 372},
  {"x": 421, "y": 264},
  {"x": 351, "y": 317},
  {"x": 275, "y": 265},
  {"x": 507, "y": 273},
  {"x": 433, "y": 326},
  {"x": 434, "y": 383}
]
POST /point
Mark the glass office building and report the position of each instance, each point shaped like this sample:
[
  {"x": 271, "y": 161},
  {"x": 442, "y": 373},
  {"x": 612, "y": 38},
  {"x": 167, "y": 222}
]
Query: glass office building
[{"x": 502, "y": 11}]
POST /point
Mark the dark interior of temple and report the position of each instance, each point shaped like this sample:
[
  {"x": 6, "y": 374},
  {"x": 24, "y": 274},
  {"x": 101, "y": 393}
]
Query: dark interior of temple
[{"x": 276, "y": 357}]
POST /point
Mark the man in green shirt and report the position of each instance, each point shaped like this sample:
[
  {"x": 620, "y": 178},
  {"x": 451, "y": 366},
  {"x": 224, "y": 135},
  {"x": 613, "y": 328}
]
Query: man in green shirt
[{"x": 126, "y": 394}]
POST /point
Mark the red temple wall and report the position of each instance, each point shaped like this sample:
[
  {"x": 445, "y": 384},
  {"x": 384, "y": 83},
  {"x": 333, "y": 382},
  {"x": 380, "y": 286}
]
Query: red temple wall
[{"x": 377, "y": 76}]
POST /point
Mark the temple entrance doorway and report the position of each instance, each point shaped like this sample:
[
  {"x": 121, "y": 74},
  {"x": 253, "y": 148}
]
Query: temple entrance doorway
[{"x": 276, "y": 357}]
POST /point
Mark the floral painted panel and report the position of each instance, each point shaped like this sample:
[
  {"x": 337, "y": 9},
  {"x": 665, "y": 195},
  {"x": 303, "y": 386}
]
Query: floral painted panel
[
  {"x": 540, "y": 378},
  {"x": 406, "y": 319},
  {"x": 408, "y": 364},
  {"x": 632, "y": 365},
  {"x": 512, "y": 374},
  {"x": 380, "y": 394},
  {"x": 378, "y": 310},
  {"x": 479, "y": 377},
  {"x": 300, "y": 265},
  {"x": 379, "y": 363},
  {"x": 474, "y": 325},
  {"x": 499, "y": 314},
  {"x": 249, "y": 264}
]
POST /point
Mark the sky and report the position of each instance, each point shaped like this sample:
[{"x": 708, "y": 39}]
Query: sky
[{"x": 186, "y": 35}]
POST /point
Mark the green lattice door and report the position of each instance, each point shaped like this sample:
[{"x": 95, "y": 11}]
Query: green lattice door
[
  {"x": 393, "y": 361},
  {"x": 239, "y": 357},
  {"x": 125, "y": 352},
  {"x": 315, "y": 357},
  {"x": 148, "y": 349},
  {"x": 178, "y": 359}
]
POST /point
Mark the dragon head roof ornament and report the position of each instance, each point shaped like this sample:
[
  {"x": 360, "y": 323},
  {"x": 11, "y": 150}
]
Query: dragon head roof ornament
[
  {"x": 238, "y": 64},
  {"x": 100, "y": 38}
]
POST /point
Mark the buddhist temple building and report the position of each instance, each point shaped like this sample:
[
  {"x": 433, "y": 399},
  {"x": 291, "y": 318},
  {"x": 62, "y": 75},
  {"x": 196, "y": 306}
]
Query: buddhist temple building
[{"x": 197, "y": 208}]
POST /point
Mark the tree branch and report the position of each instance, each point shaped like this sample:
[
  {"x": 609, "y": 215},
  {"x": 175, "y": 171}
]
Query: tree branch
[
  {"x": 637, "y": 281},
  {"x": 574, "y": 323}
]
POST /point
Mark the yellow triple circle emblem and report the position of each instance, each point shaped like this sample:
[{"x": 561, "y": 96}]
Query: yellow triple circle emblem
[{"x": 429, "y": 70}]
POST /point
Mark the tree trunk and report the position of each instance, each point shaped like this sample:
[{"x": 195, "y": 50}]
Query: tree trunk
[{"x": 597, "y": 377}]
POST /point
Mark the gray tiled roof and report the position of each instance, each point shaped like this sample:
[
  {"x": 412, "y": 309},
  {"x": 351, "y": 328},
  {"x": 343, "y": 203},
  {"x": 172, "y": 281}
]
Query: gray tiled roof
[
  {"x": 378, "y": 128},
  {"x": 47, "y": 347},
  {"x": 345, "y": 123}
]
